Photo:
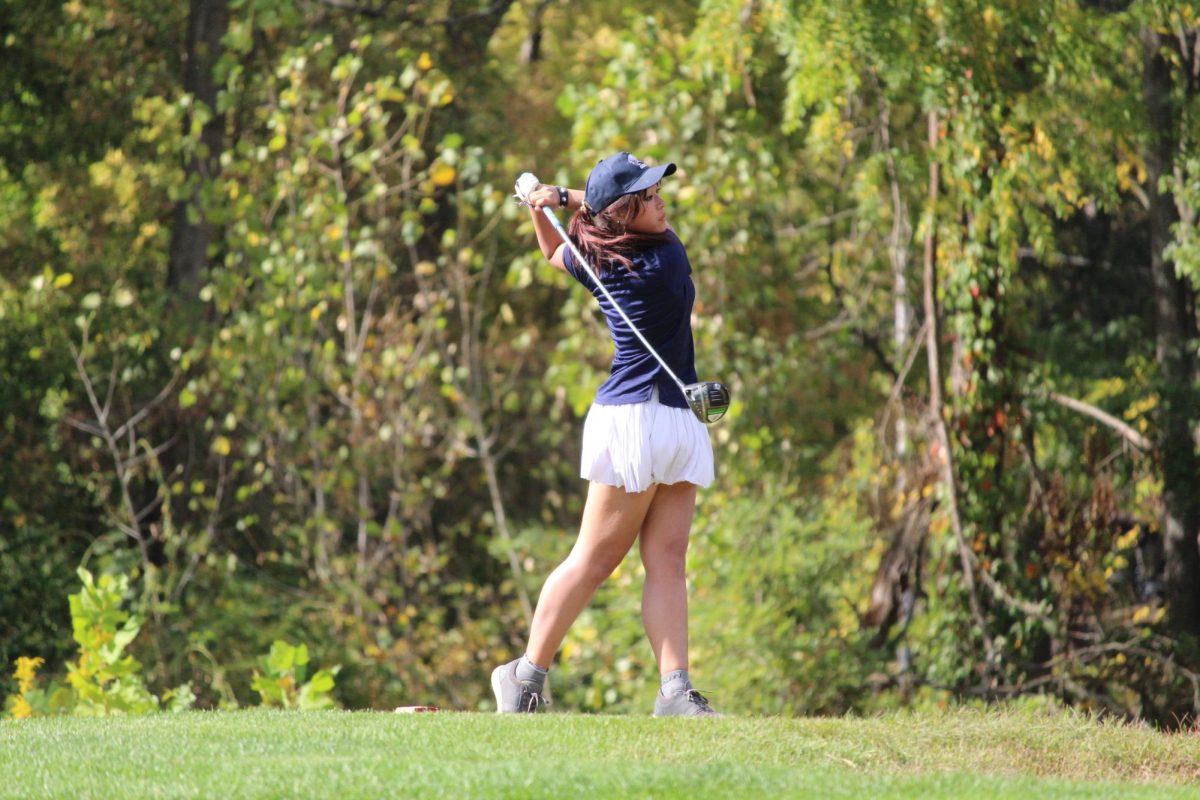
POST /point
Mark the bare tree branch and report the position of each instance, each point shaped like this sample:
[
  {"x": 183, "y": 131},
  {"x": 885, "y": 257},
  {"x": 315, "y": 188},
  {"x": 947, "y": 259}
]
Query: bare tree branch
[
  {"x": 898, "y": 383},
  {"x": 146, "y": 409},
  {"x": 132, "y": 529},
  {"x": 820, "y": 222},
  {"x": 1127, "y": 433}
]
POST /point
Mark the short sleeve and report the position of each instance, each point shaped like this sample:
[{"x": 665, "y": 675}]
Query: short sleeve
[{"x": 573, "y": 268}]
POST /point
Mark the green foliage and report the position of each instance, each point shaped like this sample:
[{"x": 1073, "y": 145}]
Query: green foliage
[
  {"x": 30, "y": 701},
  {"x": 106, "y": 680},
  {"x": 363, "y": 434},
  {"x": 1184, "y": 249},
  {"x": 282, "y": 680},
  {"x": 776, "y": 618},
  {"x": 103, "y": 679}
]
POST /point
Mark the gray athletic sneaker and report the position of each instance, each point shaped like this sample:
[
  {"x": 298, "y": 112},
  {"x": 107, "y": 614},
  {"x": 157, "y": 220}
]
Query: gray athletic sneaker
[
  {"x": 514, "y": 696},
  {"x": 688, "y": 703}
]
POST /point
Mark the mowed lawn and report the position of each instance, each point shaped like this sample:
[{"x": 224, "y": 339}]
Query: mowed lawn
[{"x": 375, "y": 754}]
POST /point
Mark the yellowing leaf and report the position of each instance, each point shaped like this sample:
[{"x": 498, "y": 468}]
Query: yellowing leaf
[
  {"x": 425, "y": 62},
  {"x": 222, "y": 446},
  {"x": 1129, "y": 539},
  {"x": 443, "y": 175},
  {"x": 63, "y": 280},
  {"x": 26, "y": 672}
]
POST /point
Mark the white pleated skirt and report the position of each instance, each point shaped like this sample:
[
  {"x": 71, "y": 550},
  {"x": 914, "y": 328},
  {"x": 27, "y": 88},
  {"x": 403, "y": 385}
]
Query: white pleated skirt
[{"x": 636, "y": 445}]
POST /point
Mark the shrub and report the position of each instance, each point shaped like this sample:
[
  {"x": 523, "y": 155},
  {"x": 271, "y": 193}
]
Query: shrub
[
  {"x": 103, "y": 679},
  {"x": 281, "y": 683}
]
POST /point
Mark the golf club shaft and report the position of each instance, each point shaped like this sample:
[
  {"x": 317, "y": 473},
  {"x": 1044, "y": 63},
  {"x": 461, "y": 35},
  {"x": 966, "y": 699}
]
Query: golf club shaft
[{"x": 550, "y": 215}]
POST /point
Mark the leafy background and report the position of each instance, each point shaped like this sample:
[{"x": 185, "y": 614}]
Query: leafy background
[{"x": 277, "y": 349}]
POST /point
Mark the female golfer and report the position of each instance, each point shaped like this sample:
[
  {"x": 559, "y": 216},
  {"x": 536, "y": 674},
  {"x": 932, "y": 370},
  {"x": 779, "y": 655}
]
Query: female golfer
[{"x": 644, "y": 452}]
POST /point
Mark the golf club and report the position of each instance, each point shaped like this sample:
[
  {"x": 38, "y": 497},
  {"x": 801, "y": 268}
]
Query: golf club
[{"x": 709, "y": 400}]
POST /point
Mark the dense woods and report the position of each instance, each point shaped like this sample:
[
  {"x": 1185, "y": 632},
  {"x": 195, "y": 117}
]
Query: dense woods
[{"x": 277, "y": 347}]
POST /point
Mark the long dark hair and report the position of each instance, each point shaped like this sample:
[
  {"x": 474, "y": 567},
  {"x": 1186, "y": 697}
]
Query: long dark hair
[{"x": 604, "y": 239}]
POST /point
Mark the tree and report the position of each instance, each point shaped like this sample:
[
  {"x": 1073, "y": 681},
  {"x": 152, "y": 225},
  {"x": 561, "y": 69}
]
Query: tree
[
  {"x": 193, "y": 232},
  {"x": 1171, "y": 91}
]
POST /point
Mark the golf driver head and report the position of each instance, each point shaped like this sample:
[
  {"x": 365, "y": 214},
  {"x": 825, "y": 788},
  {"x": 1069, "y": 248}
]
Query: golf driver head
[{"x": 708, "y": 400}]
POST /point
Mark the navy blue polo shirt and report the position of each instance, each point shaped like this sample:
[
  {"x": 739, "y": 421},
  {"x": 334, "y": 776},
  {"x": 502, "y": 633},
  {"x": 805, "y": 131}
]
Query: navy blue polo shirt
[{"x": 657, "y": 294}]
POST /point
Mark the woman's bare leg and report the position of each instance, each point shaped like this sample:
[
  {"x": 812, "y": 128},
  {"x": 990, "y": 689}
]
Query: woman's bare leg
[
  {"x": 612, "y": 518},
  {"x": 664, "y": 544}
]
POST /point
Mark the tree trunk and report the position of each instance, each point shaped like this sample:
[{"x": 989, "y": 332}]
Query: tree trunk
[
  {"x": 1175, "y": 340},
  {"x": 898, "y": 244},
  {"x": 207, "y": 22},
  {"x": 945, "y": 455},
  {"x": 469, "y": 29}
]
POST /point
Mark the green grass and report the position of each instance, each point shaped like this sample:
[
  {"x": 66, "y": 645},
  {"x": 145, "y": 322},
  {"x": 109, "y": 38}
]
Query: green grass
[{"x": 342, "y": 754}]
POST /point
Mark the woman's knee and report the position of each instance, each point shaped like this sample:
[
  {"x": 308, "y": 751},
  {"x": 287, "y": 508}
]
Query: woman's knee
[
  {"x": 595, "y": 567},
  {"x": 667, "y": 555}
]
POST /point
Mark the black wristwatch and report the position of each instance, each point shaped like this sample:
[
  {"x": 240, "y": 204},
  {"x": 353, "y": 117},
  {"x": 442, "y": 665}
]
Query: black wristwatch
[{"x": 563, "y": 197}]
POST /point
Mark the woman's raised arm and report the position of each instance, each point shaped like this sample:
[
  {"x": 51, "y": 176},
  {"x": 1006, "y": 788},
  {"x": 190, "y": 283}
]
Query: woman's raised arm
[{"x": 551, "y": 245}]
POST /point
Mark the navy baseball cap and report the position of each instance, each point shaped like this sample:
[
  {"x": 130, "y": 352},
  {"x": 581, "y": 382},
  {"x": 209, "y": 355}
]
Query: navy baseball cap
[{"x": 619, "y": 175}]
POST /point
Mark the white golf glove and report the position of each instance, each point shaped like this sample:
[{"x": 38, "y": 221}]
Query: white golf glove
[{"x": 526, "y": 184}]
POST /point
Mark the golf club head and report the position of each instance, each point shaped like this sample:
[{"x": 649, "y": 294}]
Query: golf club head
[{"x": 708, "y": 400}]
